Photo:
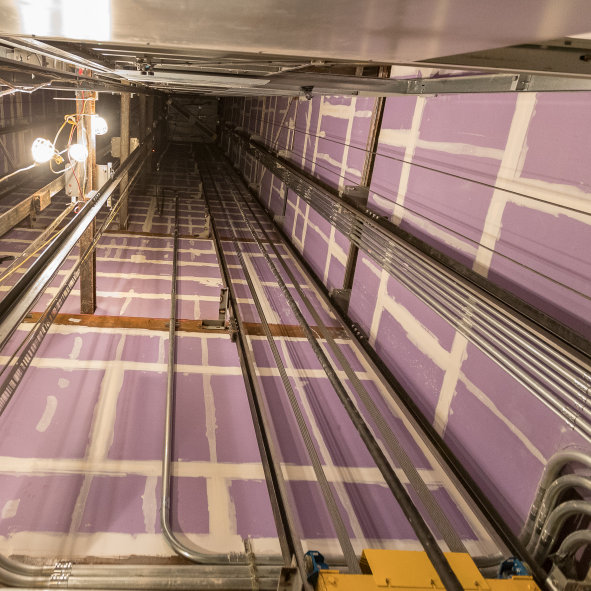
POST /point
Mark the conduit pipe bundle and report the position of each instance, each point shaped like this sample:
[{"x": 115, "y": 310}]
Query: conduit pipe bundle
[
  {"x": 556, "y": 376},
  {"x": 553, "y": 468}
]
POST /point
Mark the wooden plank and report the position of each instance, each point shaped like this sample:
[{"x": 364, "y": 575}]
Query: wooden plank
[
  {"x": 38, "y": 200},
  {"x": 161, "y": 324},
  {"x": 96, "y": 321},
  {"x": 290, "y": 330},
  {"x": 15, "y": 215}
]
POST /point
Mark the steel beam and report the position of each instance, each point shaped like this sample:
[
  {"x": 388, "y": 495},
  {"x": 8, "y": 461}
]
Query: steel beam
[
  {"x": 366, "y": 175},
  {"x": 518, "y": 82}
]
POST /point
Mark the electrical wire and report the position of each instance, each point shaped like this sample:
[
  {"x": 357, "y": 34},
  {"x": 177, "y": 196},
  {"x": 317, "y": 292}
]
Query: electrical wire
[
  {"x": 67, "y": 119},
  {"x": 17, "y": 171},
  {"x": 463, "y": 236},
  {"x": 418, "y": 165},
  {"x": 12, "y": 89},
  {"x": 75, "y": 125}
]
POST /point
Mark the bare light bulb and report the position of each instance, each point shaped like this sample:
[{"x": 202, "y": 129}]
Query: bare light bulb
[
  {"x": 78, "y": 152},
  {"x": 42, "y": 150},
  {"x": 99, "y": 125}
]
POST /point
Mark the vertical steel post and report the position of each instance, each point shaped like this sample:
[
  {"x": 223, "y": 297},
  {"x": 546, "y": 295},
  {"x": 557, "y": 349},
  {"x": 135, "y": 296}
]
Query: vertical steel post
[
  {"x": 370, "y": 156},
  {"x": 124, "y": 153},
  {"x": 85, "y": 106}
]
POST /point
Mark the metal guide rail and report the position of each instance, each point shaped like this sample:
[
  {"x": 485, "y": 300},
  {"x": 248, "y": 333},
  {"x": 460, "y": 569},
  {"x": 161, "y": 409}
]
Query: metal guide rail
[
  {"x": 557, "y": 374},
  {"x": 42, "y": 272},
  {"x": 228, "y": 200}
]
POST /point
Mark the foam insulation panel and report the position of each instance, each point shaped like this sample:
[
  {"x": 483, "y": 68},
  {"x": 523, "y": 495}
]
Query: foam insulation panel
[
  {"x": 81, "y": 441},
  {"x": 500, "y": 183}
]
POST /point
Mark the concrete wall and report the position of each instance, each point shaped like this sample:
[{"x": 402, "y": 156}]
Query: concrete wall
[{"x": 499, "y": 182}]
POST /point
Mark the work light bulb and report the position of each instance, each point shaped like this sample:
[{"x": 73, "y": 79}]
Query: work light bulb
[
  {"x": 78, "y": 152},
  {"x": 42, "y": 150},
  {"x": 99, "y": 125}
]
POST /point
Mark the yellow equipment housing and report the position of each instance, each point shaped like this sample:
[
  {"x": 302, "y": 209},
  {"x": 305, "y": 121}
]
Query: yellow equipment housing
[{"x": 412, "y": 571}]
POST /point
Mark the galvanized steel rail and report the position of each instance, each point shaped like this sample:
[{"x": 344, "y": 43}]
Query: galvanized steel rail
[{"x": 432, "y": 549}]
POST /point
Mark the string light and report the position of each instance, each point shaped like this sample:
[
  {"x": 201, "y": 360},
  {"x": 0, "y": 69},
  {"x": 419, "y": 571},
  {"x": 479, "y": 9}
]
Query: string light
[
  {"x": 42, "y": 150},
  {"x": 99, "y": 125},
  {"x": 78, "y": 152}
]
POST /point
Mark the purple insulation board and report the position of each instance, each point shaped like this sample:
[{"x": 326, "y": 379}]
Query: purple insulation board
[
  {"x": 498, "y": 182},
  {"x": 81, "y": 440}
]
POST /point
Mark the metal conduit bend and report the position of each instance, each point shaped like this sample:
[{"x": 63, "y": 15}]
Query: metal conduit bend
[
  {"x": 553, "y": 492},
  {"x": 554, "y": 466},
  {"x": 553, "y": 524},
  {"x": 570, "y": 545},
  {"x": 192, "y": 554},
  {"x": 440, "y": 563}
]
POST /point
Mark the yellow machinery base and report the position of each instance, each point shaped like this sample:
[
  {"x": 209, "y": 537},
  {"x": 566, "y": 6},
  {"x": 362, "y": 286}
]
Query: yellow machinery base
[{"x": 413, "y": 571}]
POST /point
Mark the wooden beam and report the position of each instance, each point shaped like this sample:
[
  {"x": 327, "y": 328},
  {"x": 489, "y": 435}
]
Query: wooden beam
[
  {"x": 85, "y": 104},
  {"x": 123, "y": 154},
  {"x": 161, "y": 324},
  {"x": 31, "y": 205}
]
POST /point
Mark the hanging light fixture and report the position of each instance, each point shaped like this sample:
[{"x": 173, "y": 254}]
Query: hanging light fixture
[
  {"x": 99, "y": 125},
  {"x": 42, "y": 150},
  {"x": 78, "y": 152}
]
